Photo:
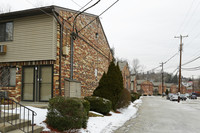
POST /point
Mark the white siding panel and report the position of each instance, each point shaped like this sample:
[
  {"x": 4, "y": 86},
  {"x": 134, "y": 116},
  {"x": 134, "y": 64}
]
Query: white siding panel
[{"x": 35, "y": 38}]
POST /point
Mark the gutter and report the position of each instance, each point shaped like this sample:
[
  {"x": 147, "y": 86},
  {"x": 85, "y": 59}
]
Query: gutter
[{"x": 60, "y": 51}]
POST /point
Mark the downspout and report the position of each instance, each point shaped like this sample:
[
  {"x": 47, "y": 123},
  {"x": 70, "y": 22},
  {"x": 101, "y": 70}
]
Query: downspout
[
  {"x": 71, "y": 56},
  {"x": 72, "y": 38},
  {"x": 60, "y": 51}
]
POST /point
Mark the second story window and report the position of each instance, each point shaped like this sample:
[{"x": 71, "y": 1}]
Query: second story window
[{"x": 6, "y": 31}]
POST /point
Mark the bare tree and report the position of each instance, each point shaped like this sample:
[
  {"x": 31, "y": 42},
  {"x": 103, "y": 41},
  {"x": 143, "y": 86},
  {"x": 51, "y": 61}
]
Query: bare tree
[
  {"x": 136, "y": 66},
  {"x": 41, "y": 3},
  {"x": 5, "y": 8}
]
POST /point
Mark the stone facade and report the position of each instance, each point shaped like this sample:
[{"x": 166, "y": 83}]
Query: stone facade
[{"x": 91, "y": 56}]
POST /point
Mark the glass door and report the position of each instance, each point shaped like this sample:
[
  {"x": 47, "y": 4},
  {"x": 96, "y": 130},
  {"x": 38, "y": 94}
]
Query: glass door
[
  {"x": 28, "y": 83},
  {"x": 45, "y": 84}
]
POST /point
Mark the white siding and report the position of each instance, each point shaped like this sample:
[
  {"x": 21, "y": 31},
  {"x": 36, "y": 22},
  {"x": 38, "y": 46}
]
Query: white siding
[{"x": 34, "y": 39}]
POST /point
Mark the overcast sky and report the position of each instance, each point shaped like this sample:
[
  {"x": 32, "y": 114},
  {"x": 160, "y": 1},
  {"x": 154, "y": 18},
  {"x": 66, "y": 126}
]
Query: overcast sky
[{"x": 142, "y": 29}]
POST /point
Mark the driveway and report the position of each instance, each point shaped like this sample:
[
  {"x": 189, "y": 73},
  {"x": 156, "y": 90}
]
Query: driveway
[{"x": 158, "y": 115}]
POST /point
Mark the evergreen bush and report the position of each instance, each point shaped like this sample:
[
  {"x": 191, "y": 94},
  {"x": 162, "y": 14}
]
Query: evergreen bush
[
  {"x": 99, "y": 104},
  {"x": 111, "y": 85},
  {"x": 86, "y": 105},
  {"x": 134, "y": 96},
  {"x": 66, "y": 113},
  {"x": 124, "y": 99}
]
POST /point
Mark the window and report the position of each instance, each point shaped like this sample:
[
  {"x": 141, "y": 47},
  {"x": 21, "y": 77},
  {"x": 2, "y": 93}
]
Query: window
[
  {"x": 6, "y": 31},
  {"x": 7, "y": 76}
]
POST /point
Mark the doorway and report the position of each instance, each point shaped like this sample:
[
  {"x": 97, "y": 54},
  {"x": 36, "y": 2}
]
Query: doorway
[{"x": 37, "y": 83}]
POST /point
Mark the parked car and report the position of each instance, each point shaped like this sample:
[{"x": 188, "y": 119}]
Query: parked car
[
  {"x": 169, "y": 95},
  {"x": 193, "y": 97},
  {"x": 187, "y": 95},
  {"x": 183, "y": 97},
  {"x": 174, "y": 97}
]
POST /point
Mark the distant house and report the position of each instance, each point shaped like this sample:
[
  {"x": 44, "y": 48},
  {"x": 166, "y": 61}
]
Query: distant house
[
  {"x": 156, "y": 88},
  {"x": 133, "y": 83},
  {"x": 45, "y": 53},
  {"x": 123, "y": 65},
  {"x": 144, "y": 87},
  {"x": 174, "y": 89}
]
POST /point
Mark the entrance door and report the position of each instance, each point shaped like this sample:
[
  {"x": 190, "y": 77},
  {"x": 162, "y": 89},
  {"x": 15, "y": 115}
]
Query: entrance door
[
  {"x": 45, "y": 84},
  {"x": 37, "y": 83},
  {"x": 28, "y": 83}
]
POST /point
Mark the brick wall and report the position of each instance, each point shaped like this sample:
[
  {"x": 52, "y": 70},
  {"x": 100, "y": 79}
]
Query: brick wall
[
  {"x": 147, "y": 88},
  {"x": 91, "y": 52},
  {"x": 15, "y": 92},
  {"x": 160, "y": 91},
  {"x": 126, "y": 78},
  {"x": 173, "y": 89}
]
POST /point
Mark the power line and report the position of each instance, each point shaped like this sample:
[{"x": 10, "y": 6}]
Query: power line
[
  {"x": 189, "y": 19},
  {"x": 85, "y": 5},
  {"x": 98, "y": 16},
  {"x": 76, "y": 3},
  {"x": 192, "y": 68},
  {"x": 80, "y": 9},
  {"x": 180, "y": 27},
  {"x": 176, "y": 70},
  {"x": 154, "y": 68},
  {"x": 74, "y": 23},
  {"x": 171, "y": 58},
  {"x": 191, "y": 61}
]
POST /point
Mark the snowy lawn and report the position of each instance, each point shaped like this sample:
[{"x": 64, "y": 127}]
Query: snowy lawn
[
  {"x": 108, "y": 124},
  {"x": 104, "y": 124}
]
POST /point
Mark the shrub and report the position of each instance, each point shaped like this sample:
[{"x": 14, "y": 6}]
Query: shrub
[
  {"x": 86, "y": 106},
  {"x": 135, "y": 96},
  {"x": 66, "y": 113},
  {"x": 124, "y": 99},
  {"x": 100, "y": 105},
  {"x": 110, "y": 85}
]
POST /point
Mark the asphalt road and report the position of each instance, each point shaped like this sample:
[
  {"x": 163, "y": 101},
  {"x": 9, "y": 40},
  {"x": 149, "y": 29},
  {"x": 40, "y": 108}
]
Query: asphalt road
[{"x": 158, "y": 115}]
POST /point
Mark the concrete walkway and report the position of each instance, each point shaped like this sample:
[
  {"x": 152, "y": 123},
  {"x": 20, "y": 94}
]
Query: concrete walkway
[{"x": 158, "y": 115}]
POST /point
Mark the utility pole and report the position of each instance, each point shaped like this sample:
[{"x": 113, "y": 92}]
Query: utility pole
[
  {"x": 181, "y": 48},
  {"x": 192, "y": 83},
  {"x": 162, "y": 78}
]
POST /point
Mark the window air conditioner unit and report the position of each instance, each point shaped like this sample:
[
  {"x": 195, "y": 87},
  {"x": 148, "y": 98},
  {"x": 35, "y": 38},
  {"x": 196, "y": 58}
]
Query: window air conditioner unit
[{"x": 3, "y": 49}]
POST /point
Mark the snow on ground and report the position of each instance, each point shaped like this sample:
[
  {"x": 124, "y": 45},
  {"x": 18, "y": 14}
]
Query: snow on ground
[
  {"x": 38, "y": 119},
  {"x": 104, "y": 124},
  {"x": 108, "y": 124}
]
